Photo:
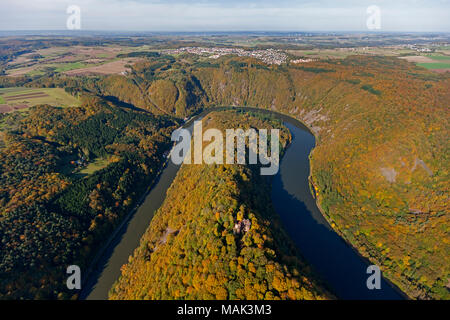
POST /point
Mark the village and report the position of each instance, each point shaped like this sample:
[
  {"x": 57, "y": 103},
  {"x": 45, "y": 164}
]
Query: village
[{"x": 269, "y": 56}]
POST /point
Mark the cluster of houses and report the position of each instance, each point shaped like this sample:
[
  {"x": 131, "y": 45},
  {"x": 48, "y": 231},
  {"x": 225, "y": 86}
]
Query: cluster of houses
[
  {"x": 80, "y": 162},
  {"x": 303, "y": 60},
  {"x": 242, "y": 226},
  {"x": 419, "y": 48},
  {"x": 269, "y": 56}
]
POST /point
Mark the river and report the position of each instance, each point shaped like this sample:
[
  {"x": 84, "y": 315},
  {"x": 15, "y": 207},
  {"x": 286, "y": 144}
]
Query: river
[
  {"x": 342, "y": 268},
  {"x": 335, "y": 261}
]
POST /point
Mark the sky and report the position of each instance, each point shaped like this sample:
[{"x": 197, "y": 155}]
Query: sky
[{"x": 226, "y": 15}]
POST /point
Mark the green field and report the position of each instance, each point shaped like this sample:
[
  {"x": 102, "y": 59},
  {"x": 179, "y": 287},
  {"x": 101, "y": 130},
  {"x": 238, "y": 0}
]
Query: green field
[
  {"x": 49, "y": 59},
  {"x": 435, "y": 65},
  {"x": 96, "y": 164},
  {"x": 439, "y": 62},
  {"x": 440, "y": 58},
  {"x": 52, "y": 96},
  {"x": 63, "y": 67},
  {"x": 55, "y": 67},
  {"x": 341, "y": 53}
]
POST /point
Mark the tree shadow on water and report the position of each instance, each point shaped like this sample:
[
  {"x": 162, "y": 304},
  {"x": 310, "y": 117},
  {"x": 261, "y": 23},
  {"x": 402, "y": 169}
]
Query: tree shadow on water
[{"x": 339, "y": 265}]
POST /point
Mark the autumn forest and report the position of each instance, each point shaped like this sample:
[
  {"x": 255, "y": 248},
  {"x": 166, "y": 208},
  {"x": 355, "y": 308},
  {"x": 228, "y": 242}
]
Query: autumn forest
[{"x": 70, "y": 175}]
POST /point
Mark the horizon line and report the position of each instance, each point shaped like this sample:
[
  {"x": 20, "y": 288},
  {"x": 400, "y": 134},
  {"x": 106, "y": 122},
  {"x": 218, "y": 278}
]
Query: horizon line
[{"x": 223, "y": 31}]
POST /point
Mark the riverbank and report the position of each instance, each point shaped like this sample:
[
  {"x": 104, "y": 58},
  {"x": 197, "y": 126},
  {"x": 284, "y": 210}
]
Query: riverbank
[
  {"x": 217, "y": 236},
  {"x": 133, "y": 226},
  {"x": 317, "y": 199},
  {"x": 116, "y": 231},
  {"x": 128, "y": 249}
]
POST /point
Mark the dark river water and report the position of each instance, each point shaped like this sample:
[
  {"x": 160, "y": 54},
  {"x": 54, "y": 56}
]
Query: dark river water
[
  {"x": 338, "y": 264},
  {"x": 332, "y": 258}
]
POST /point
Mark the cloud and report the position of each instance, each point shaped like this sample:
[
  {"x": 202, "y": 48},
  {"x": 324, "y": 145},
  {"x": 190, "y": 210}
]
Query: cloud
[{"x": 203, "y": 15}]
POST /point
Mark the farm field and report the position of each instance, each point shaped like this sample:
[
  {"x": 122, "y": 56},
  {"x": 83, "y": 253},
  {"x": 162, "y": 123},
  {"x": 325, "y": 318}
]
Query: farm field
[
  {"x": 83, "y": 59},
  {"x": 114, "y": 67},
  {"x": 435, "y": 65},
  {"x": 341, "y": 53},
  {"x": 18, "y": 98},
  {"x": 434, "y": 62},
  {"x": 438, "y": 61}
]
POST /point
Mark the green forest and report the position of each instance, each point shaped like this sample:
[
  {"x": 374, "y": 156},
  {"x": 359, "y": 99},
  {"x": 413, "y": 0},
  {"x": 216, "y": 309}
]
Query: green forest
[{"x": 53, "y": 216}]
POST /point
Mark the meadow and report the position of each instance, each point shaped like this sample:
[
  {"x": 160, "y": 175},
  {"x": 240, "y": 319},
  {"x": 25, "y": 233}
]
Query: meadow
[
  {"x": 18, "y": 98},
  {"x": 78, "y": 59},
  {"x": 435, "y": 65},
  {"x": 95, "y": 165},
  {"x": 434, "y": 62}
]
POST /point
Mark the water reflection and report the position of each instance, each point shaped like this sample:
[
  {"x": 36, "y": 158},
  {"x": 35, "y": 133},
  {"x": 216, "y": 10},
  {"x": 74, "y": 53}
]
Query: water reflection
[{"x": 338, "y": 264}]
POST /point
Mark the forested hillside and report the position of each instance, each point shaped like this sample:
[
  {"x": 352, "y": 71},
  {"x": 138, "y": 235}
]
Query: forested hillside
[
  {"x": 54, "y": 214},
  {"x": 217, "y": 236}
]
